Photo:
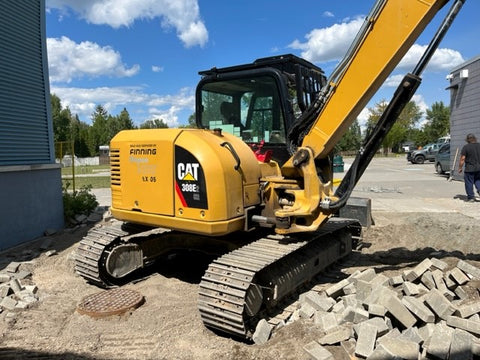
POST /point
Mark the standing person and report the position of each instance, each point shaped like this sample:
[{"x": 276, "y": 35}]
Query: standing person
[{"x": 470, "y": 156}]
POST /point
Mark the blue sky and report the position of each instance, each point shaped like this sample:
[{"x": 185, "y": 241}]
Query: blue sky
[{"x": 145, "y": 55}]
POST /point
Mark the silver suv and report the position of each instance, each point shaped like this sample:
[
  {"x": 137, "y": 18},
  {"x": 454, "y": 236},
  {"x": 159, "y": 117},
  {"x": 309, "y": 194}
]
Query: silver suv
[{"x": 428, "y": 152}]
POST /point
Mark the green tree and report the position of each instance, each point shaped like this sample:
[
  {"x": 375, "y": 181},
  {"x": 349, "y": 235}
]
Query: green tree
[
  {"x": 100, "y": 134},
  {"x": 125, "y": 121},
  {"x": 80, "y": 133},
  {"x": 192, "y": 122},
  {"x": 61, "y": 119},
  {"x": 401, "y": 128},
  {"x": 352, "y": 139},
  {"x": 154, "y": 124},
  {"x": 438, "y": 122}
]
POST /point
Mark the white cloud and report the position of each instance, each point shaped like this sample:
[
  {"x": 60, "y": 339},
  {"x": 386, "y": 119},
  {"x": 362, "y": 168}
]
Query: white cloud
[
  {"x": 183, "y": 15},
  {"x": 328, "y": 14},
  {"x": 363, "y": 118},
  {"x": 331, "y": 44},
  {"x": 157, "y": 68},
  {"x": 328, "y": 44},
  {"x": 442, "y": 60},
  {"x": 68, "y": 60},
  {"x": 393, "y": 81},
  {"x": 82, "y": 101}
]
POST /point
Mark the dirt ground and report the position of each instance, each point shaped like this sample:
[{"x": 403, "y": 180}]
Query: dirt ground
[{"x": 168, "y": 325}]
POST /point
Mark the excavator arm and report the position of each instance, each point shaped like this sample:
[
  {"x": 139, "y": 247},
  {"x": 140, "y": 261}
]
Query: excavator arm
[{"x": 305, "y": 190}]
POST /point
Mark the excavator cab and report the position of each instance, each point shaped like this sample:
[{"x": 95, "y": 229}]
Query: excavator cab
[{"x": 258, "y": 102}]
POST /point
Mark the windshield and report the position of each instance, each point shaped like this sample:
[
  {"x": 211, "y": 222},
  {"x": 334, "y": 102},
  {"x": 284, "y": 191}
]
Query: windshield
[{"x": 248, "y": 108}]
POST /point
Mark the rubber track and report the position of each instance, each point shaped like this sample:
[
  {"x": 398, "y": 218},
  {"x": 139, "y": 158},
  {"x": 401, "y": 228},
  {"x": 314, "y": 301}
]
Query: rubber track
[
  {"x": 90, "y": 250},
  {"x": 224, "y": 286}
]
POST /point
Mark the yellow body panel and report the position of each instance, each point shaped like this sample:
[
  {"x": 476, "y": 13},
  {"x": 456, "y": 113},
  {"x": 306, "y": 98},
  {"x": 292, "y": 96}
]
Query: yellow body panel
[{"x": 183, "y": 179}]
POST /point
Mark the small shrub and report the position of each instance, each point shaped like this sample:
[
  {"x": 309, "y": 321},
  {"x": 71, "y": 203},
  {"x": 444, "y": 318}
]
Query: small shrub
[{"x": 78, "y": 202}]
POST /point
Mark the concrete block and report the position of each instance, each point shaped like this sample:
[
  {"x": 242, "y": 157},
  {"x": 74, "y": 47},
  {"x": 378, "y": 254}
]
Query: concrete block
[
  {"x": 366, "y": 275},
  {"x": 366, "y": 340},
  {"x": 395, "y": 307},
  {"x": 440, "y": 341},
  {"x": 459, "y": 276},
  {"x": 262, "y": 332},
  {"x": 378, "y": 295},
  {"x": 451, "y": 284},
  {"x": 393, "y": 333},
  {"x": 32, "y": 288},
  {"x": 461, "y": 293},
  {"x": 22, "y": 274},
  {"x": 16, "y": 286},
  {"x": 8, "y": 303},
  {"x": 439, "y": 304},
  {"x": 354, "y": 315},
  {"x": 4, "y": 277},
  {"x": 438, "y": 279},
  {"x": 400, "y": 348},
  {"x": 409, "y": 288},
  {"x": 427, "y": 280},
  {"x": 364, "y": 289},
  {"x": 381, "y": 354},
  {"x": 470, "y": 269},
  {"x": 348, "y": 315},
  {"x": 396, "y": 280},
  {"x": 4, "y": 290},
  {"x": 317, "y": 352},
  {"x": 376, "y": 310},
  {"x": 411, "y": 334},
  {"x": 12, "y": 267},
  {"x": 325, "y": 320},
  {"x": 378, "y": 323},
  {"x": 350, "y": 289},
  {"x": 418, "y": 270},
  {"x": 426, "y": 331},
  {"x": 422, "y": 289},
  {"x": 379, "y": 280},
  {"x": 348, "y": 348},
  {"x": 439, "y": 264},
  {"x": 318, "y": 302},
  {"x": 475, "y": 317},
  {"x": 21, "y": 305},
  {"x": 350, "y": 300},
  {"x": 337, "y": 335},
  {"x": 466, "y": 311},
  {"x": 306, "y": 311},
  {"x": 338, "y": 308},
  {"x": 476, "y": 346},
  {"x": 461, "y": 347},
  {"x": 464, "y": 324},
  {"x": 419, "y": 309},
  {"x": 337, "y": 289}
]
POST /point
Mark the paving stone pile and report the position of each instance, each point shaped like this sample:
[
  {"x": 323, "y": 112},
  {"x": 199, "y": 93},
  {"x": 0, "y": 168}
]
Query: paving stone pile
[
  {"x": 17, "y": 292},
  {"x": 428, "y": 312}
]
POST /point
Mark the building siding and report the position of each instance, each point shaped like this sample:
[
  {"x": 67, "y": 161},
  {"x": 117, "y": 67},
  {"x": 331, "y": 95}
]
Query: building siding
[
  {"x": 30, "y": 181},
  {"x": 464, "y": 108},
  {"x": 25, "y": 121}
]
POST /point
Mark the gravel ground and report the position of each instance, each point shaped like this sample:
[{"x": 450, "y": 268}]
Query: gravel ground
[{"x": 168, "y": 326}]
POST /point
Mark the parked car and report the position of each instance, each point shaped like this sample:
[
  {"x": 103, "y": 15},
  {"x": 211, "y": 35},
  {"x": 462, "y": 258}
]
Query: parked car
[
  {"x": 442, "y": 159},
  {"x": 428, "y": 152}
]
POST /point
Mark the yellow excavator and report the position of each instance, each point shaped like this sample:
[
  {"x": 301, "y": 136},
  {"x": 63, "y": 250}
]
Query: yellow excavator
[{"x": 254, "y": 183}]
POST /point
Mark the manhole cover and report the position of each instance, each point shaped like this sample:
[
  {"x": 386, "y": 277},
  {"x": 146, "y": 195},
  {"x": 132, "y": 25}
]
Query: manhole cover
[{"x": 110, "y": 302}]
